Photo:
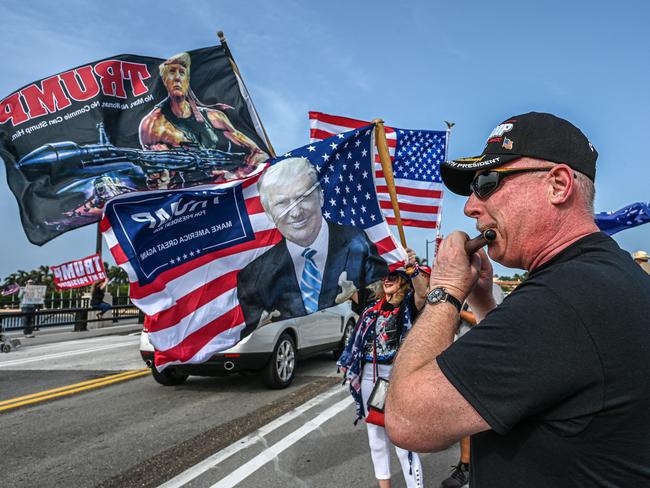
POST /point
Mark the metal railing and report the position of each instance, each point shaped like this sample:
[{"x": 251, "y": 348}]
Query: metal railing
[
  {"x": 79, "y": 317},
  {"x": 63, "y": 299}
]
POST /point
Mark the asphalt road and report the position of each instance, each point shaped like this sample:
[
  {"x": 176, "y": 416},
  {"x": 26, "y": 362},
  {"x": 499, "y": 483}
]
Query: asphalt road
[{"x": 229, "y": 431}]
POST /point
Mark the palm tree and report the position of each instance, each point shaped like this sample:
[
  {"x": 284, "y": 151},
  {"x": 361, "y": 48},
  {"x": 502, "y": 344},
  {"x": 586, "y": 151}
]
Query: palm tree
[{"x": 116, "y": 275}]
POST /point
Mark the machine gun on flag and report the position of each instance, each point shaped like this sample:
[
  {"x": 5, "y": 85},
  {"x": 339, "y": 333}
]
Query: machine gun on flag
[{"x": 68, "y": 159}]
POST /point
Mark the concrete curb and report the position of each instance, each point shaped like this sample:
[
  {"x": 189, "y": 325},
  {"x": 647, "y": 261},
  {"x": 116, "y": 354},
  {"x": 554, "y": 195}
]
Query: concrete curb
[{"x": 67, "y": 333}]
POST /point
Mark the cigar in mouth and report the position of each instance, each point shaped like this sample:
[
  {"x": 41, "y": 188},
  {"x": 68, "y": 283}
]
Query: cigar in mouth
[{"x": 473, "y": 245}]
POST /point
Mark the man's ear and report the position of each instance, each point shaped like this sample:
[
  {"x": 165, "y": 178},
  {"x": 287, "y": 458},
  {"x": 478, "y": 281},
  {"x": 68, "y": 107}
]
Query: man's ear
[{"x": 562, "y": 183}]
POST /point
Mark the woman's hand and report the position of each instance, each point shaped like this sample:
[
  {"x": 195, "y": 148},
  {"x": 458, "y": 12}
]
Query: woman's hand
[{"x": 411, "y": 257}]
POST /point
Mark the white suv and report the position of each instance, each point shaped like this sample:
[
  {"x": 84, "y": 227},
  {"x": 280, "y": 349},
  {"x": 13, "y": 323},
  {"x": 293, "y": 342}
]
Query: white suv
[{"x": 273, "y": 348}]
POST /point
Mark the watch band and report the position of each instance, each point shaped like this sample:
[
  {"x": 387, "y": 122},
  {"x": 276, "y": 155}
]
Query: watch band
[{"x": 455, "y": 302}]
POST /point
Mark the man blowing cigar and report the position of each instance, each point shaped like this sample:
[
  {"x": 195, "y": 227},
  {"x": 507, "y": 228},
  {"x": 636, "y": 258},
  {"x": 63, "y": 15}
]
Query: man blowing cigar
[{"x": 553, "y": 383}]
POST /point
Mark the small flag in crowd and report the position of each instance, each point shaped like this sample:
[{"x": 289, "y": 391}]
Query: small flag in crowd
[
  {"x": 626, "y": 218},
  {"x": 79, "y": 273},
  {"x": 210, "y": 264},
  {"x": 416, "y": 156},
  {"x": 10, "y": 289}
]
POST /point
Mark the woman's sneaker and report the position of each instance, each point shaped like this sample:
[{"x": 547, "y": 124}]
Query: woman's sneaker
[{"x": 459, "y": 477}]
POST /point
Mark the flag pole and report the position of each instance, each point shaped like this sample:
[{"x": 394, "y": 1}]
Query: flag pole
[
  {"x": 441, "y": 206},
  {"x": 387, "y": 168},
  {"x": 98, "y": 241},
  {"x": 235, "y": 68}
]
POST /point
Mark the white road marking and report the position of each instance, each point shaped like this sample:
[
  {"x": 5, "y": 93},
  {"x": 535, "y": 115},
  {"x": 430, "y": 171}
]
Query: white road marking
[
  {"x": 27, "y": 347},
  {"x": 16, "y": 362},
  {"x": 220, "y": 456},
  {"x": 279, "y": 447}
]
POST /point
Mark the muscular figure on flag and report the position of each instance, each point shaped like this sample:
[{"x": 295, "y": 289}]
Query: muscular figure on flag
[
  {"x": 317, "y": 264},
  {"x": 181, "y": 121}
]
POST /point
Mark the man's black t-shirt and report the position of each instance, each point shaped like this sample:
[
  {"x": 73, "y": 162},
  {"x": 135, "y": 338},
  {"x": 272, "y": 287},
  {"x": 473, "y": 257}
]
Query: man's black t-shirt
[{"x": 561, "y": 372}]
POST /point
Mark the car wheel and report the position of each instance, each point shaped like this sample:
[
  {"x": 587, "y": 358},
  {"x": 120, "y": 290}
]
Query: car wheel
[
  {"x": 6, "y": 348},
  {"x": 347, "y": 332},
  {"x": 168, "y": 376},
  {"x": 281, "y": 368}
]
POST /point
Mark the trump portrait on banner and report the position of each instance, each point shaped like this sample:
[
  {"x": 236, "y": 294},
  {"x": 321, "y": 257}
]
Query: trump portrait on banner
[{"x": 317, "y": 264}]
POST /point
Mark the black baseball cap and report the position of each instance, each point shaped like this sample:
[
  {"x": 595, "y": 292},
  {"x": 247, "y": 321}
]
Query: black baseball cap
[{"x": 534, "y": 135}]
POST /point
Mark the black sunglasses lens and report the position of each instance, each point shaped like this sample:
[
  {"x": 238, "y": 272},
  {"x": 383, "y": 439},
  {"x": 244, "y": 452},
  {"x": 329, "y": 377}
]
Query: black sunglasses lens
[{"x": 485, "y": 184}]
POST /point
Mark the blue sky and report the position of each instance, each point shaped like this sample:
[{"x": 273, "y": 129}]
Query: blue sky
[{"x": 414, "y": 64}]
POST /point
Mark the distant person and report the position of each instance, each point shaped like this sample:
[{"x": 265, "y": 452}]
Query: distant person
[
  {"x": 97, "y": 302},
  {"x": 641, "y": 258},
  {"x": 28, "y": 310},
  {"x": 181, "y": 121},
  {"x": 317, "y": 264}
]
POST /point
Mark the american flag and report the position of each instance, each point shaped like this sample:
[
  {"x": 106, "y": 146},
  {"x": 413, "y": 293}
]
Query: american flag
[
  {"x": 416, "y": 156},
  {"x": 630, "y": 216},
  {"x": 183, "y": 249}
]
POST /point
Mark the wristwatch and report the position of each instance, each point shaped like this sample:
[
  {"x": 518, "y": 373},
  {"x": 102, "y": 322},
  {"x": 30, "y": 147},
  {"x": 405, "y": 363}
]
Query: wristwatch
[{"x": 440, "y": 295}]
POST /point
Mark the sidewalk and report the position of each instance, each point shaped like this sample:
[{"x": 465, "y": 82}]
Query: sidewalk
[{"x": 66, "y": 333}]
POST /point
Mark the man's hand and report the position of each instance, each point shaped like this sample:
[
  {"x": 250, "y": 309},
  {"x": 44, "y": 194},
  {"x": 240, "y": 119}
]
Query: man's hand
[
  {"x": 347, "y": 288},
  {"x": 267, "y": 317},
  {"x": 410, "y": 259},
  {"x": 256, "y": 157},
  {"x": 481, "y": 298},
  {"x": 454, "y": 269}
]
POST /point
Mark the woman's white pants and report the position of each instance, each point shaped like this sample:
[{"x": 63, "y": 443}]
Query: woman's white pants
[{"x": 379, "y": 442}]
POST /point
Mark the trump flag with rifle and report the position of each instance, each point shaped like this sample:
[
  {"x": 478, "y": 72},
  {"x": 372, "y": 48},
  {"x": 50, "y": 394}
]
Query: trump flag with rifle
[
  {"x": 72, "y": 141},
  {"x": 209, "y": 265}
]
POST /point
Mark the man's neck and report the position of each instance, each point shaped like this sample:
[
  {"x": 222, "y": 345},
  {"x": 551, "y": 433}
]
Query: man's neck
[
  {"x": 563, "y": 238},
  {"x": 180, "y": 107}
]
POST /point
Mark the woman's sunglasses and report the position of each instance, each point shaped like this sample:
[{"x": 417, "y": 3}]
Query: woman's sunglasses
[
  {"x": 392, "y": 277},
  {"x": 485, "y": 184}
]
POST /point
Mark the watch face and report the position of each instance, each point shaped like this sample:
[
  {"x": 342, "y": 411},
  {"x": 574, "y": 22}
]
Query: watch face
[{"x": 435, "y": 295}]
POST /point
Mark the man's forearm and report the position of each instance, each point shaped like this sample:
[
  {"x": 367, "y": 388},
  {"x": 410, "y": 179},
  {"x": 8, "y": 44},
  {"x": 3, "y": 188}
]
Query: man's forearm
[
  {"x": 413, "y": 415},
  {"x": 424, "y": 411}
]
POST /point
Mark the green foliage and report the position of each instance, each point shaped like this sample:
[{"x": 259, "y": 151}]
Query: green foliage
[
  {"x": 43, "y": 276},
  {"x": 40, "y": 275},
  {"x": 515, "y": 277},
  {"x": 116, "y": 275}
]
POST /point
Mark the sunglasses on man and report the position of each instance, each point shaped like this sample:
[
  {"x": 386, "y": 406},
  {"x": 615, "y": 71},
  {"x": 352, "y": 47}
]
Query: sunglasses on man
[{"x": 485, "y": 184}]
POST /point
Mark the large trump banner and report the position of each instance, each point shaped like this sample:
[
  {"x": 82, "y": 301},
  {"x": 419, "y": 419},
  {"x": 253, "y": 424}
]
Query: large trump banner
[
  {"x": 72, "y": 141},
  {"x": 211, "y": 264}
]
